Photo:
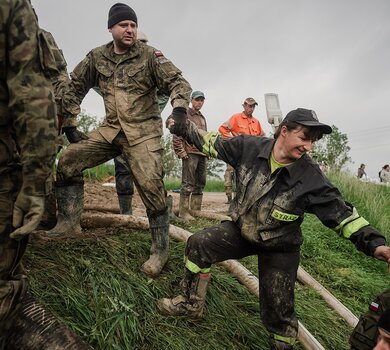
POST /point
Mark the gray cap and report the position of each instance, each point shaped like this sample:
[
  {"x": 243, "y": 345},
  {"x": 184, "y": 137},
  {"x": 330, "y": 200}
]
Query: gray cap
[{"x": 197, "y": 94}]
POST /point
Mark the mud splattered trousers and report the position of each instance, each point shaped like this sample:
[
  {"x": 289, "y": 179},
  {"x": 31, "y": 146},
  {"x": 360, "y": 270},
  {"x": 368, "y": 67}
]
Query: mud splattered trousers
[
  {"x": 228, "y": 180},
  {"x": 144, "y": 160},
  {"x": 123, "y": 180},
  {"x": 277, "y": 272},
  {"x": 13, "y": 281},
  {"x": 193, "y": 177}
]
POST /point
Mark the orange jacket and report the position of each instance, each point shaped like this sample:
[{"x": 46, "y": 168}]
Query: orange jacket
[{"x": 240, "y": 124}]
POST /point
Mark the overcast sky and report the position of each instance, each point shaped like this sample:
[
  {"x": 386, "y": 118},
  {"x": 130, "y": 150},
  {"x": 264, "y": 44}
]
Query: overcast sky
[{"x": 331, "y": 56}]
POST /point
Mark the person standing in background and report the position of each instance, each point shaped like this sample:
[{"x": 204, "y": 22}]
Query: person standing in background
[
  {"x": 361, "y": 171},
  {"x": 243, "y": 123},
  {"x": 194, "y": 162}
]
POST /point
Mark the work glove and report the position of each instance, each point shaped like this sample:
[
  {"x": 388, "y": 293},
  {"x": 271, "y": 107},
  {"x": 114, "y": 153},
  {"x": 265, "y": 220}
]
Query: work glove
[
  {"x": 27, "y": 214},
  {"x": 73, "y": 135},
  {"x": 179, "y": 117}
]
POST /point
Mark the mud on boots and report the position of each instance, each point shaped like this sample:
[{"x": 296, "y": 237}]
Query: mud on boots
[
  {"x": 191, "y": 302},
  {"x": 70, "y": 202},
  {"x": 159, "y": 251}
]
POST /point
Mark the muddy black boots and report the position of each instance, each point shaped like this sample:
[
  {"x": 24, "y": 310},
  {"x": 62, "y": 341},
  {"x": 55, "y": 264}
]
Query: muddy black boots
[
  {"x": 125, "y": 204},
  {"x": 159, "y": 228},
  {"x": 70, "y": 201},
  {"x": 191, "y": 303}
]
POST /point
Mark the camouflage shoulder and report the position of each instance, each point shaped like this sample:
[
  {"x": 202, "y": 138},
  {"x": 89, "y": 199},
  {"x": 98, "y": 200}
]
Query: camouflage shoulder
[{"x": 100, "y": 50}]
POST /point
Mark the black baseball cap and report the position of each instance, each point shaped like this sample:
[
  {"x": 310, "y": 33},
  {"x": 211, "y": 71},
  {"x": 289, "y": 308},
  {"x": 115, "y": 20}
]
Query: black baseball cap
[{"x": 307, "y": 117}]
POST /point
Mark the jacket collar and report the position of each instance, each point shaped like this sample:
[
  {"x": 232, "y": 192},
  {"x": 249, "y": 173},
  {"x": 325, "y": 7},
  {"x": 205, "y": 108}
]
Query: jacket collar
[
  {"x": 294, "y": 168},
  {"x": 133, "y": 51}
]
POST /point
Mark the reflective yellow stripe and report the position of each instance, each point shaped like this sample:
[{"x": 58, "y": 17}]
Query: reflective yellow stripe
[
  {"x": 195, "y": 268},
  {"x": 351, "y": 224},
  {"x": 279, "y": 215},
  {"x": 208, "y": 146},
  {"x": 288, "y": 340}
]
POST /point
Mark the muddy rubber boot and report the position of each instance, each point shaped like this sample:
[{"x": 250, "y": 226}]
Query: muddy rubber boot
[
  {"x": 196, "y": 201},
  {"x": 70, "y": 201},
  {"x": 184, "y": 207},
  {"x": 171, "y": 214},
  {"x": 229, "y": 198},
  {"x": 159, "y": 227},
  {"x": 125, "y": 204},
  {"x": 49, "y": 217},
  {"x": 191, "y": 302}
]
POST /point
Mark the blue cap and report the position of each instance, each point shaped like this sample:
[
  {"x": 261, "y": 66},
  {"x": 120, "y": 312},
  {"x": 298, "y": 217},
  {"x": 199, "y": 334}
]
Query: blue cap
[{"x": 197, "y": 94}]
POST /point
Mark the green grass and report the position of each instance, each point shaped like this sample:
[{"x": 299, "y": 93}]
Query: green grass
[
  {"x": 212, "y": 185},
  {"x": 95, "y": 286}
]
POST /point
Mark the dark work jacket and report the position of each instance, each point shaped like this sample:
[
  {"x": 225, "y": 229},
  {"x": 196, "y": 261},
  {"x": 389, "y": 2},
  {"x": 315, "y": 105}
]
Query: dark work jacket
[{"x": 269, "y": 208}]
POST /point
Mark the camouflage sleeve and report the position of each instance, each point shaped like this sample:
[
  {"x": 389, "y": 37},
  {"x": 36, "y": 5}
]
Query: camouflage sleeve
[
  {"x": 83, "y": 78},
  {"x": 31, "y": 106},
  {"x": 169, "y": 78}
]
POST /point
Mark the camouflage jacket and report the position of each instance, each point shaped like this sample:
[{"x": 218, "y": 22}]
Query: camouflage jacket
[
  {"x": 269, "y": 208},
  {"x": 182, "y": 147},
  {"x": 27, "y": 109},
  {"x": 128, "y": 84}
]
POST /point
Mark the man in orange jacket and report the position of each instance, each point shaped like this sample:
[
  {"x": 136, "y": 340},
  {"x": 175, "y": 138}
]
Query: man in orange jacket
[{"x": 243, "y": 123}]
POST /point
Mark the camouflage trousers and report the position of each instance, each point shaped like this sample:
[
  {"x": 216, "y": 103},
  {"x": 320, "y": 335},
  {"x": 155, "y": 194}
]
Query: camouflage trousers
[
  {"x": 123, "y": 179},
  {"x": 229, "y": 179},
  {"x": 144, "y": 160},
  {"x": 193, "y": 177},
  {"x": 277, "y": 272},
  {"x": 13, "y": 281}
]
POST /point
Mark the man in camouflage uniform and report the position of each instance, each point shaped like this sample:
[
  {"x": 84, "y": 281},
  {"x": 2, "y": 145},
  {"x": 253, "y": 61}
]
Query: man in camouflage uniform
[
  {"x": 128, "y": 73},
  {"x": 123, "y": 178},
  {"x": 194, "y": 162},
  {"x": 277, "y": 184},
  {"x": 27, "y": 145}
]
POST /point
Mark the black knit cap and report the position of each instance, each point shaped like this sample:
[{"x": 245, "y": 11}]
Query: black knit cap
[{"x": 121, "y": 12}]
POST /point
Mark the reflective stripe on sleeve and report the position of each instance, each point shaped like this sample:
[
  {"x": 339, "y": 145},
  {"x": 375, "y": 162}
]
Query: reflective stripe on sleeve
[
  {"x": 208, "y": 146},
  {"x": 351, "y": 224}
]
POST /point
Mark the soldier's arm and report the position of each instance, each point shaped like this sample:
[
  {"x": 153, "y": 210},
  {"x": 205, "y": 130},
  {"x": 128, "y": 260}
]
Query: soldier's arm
[
  {"x": 169, "y": 78},
  {"x": 31, "y": 101},
  {"x": 83, "y": 78}
]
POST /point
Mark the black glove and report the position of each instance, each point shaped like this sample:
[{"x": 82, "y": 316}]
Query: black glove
[
  {"x": 73, "y": 135},
  {"x": 179, "y": 116}
]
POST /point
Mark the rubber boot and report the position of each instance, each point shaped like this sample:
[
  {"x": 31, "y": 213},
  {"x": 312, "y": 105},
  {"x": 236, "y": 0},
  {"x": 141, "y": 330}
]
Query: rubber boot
[
  {"x": 229, "y": 198},
  {"x": 191, "y": 302},
  {"x": 70, "y": 201},
  {"x": 196, "y": 201},
  {"x": 184, "y": 207},
  {"x": 49, "y": 217},
  {"x": 172, "y": 216},
  {"x": 125, "y": 204},
  {"x": 159, "y": 227}
]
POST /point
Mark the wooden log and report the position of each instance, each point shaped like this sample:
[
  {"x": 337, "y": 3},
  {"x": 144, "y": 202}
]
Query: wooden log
[{"x": 329, "y": 298}]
